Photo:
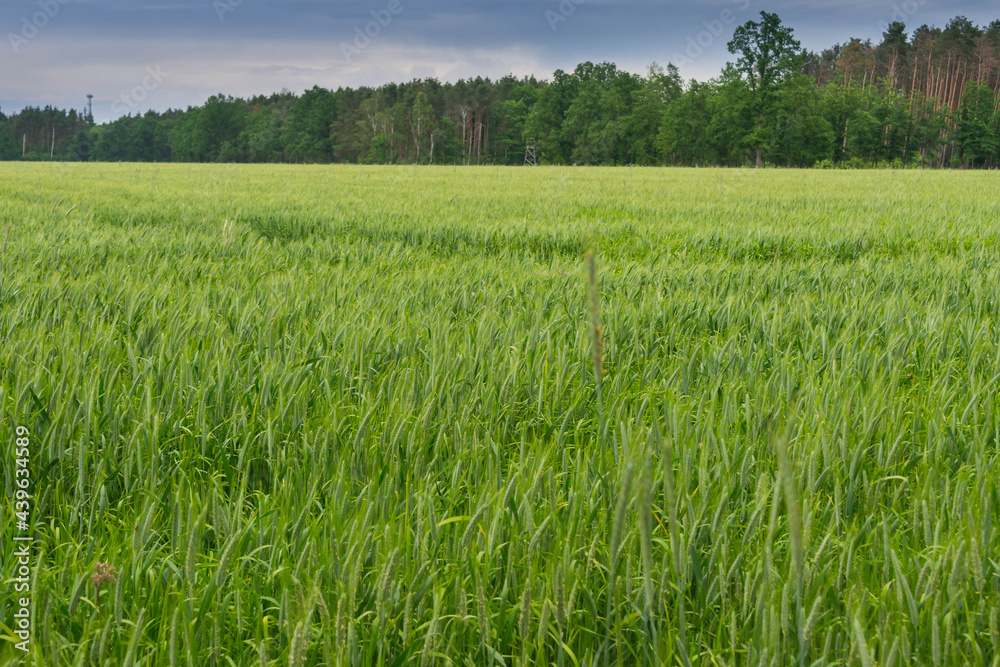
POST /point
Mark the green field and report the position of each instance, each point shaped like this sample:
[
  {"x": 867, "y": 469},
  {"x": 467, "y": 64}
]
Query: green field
[{"x": 349, "y": 415}]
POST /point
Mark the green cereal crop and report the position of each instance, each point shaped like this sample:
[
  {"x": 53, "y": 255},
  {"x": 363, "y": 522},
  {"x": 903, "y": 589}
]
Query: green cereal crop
[{"x": 389, "y": 416}]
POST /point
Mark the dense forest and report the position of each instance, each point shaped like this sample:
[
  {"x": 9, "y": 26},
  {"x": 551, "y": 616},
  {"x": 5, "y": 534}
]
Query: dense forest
[{"x": 927, "y": 99}]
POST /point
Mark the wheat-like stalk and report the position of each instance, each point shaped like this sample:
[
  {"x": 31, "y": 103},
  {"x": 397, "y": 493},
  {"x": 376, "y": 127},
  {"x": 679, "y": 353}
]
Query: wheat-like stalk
[{"x": 597, "y": 341}]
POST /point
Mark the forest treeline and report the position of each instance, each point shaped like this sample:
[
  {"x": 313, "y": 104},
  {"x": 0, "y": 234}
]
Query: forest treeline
[{"x": 927, "y": 98}]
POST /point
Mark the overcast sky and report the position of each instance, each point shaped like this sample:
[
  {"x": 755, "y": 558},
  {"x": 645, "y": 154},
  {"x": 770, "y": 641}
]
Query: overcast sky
[{"x": 171, "y": 53}]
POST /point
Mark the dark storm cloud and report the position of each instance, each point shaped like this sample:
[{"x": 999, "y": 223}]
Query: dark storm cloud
[{"x": 56, "y": 51}]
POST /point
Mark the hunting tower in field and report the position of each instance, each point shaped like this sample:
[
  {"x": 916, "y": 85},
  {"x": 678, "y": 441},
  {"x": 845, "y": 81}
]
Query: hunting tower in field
[{"x": 531, "y": 154}]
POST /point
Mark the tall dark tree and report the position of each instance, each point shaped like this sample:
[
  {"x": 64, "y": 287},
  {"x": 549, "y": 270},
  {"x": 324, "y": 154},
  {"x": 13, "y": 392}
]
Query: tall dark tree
[
  {"x": 893, "y": 52},
  {"x": 218, "y": 128},
  {"x": 308, "y": 128},
  {"x": 977, "y": 136},
  {"x": 768, "y": 54}
]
